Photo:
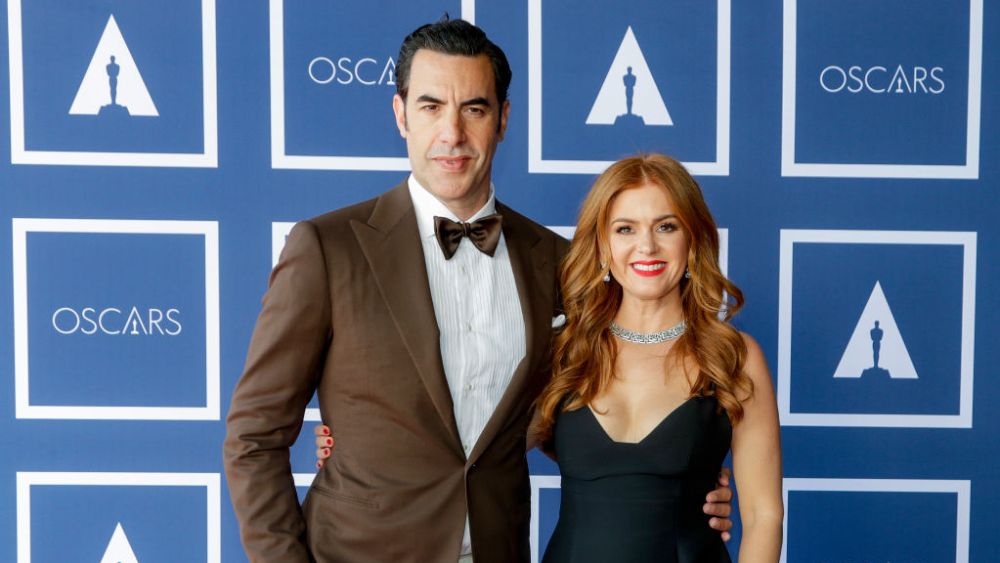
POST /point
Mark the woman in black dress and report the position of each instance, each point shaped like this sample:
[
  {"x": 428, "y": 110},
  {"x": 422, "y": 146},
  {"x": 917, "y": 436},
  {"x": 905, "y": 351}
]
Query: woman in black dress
[{"x": 652, "y": 385}]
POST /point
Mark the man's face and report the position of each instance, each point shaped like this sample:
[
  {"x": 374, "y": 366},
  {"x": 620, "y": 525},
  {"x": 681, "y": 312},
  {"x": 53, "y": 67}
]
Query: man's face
[{"x": 452, "y": 122}]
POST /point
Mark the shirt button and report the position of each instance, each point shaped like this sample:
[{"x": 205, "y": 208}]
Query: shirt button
[
  {"x": 468, "y": 327},
  {"x": 465, "y": 447},
  {"x": 468, "y": 387}
]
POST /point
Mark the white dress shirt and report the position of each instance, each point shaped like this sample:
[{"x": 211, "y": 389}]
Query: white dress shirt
[{"x": 478, "y": 314}]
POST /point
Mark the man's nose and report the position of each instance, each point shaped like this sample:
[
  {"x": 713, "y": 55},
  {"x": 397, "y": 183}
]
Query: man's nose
[{"x": 452, "y": 129}]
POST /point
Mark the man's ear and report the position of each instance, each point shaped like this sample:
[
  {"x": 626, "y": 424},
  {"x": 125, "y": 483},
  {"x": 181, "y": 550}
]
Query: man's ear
[
  {"x": 399, "y": 108},
  {"x": 504, "y": 112}
]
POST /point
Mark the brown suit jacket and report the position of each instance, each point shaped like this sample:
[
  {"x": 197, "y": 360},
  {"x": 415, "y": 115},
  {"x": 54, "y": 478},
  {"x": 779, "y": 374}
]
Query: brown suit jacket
[{"x": 348, "y": 314}]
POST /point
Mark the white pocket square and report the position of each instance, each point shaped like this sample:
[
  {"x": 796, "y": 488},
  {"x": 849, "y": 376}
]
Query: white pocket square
[{"x": 558, "y": 321}]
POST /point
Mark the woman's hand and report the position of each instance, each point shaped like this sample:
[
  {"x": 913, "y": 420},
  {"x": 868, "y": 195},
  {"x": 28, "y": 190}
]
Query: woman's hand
[{"x": 324, "y": 444}]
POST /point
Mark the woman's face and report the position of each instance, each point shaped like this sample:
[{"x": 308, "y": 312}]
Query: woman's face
[{"x": 648, "y": 243}]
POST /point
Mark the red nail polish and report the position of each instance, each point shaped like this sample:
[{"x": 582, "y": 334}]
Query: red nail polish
[{"x": 329, "y": 441}]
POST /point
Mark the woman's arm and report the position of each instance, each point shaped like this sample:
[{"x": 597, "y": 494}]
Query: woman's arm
[{"x": 757, "y": 464}]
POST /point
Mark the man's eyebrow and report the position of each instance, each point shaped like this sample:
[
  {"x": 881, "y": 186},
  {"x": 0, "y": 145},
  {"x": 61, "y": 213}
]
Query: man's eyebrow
[
  {"x": 477, "y": 101},
  {"x": 428, "y": 98}
]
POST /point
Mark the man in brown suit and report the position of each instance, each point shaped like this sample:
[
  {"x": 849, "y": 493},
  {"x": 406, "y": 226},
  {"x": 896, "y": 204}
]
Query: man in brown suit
[{"x": 362, "y": 309}]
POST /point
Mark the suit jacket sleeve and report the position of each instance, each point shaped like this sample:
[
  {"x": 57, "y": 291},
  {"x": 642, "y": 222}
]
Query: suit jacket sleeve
[
  {"x": 283, "y": 364},
  {"x": 561, "y": 247}
]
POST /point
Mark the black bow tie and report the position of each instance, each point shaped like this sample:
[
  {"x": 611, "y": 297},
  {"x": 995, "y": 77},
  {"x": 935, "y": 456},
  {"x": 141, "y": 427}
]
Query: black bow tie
[{"x": 484, "y": 234}]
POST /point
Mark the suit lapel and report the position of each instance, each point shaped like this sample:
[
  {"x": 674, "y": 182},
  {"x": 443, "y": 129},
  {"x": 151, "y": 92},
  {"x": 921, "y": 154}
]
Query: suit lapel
[
  {"x": 391, "y": 244},
  {"x": 534, "y": 277}
]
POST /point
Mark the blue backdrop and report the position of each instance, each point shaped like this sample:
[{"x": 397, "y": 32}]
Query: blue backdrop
[{"x": 839, "y": 146}]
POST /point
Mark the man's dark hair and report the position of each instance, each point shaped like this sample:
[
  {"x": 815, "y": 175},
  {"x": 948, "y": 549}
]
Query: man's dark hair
[{"x": 452, "y": 37}]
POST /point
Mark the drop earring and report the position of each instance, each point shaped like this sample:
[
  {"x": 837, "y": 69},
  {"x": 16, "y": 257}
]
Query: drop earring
[
  {"x": 607, "y": 275},
  {"x": 687, "y": 274}
]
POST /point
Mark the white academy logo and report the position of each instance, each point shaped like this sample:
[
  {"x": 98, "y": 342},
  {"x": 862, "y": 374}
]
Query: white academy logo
[
  {"x": 108, "y": 320},
  {"x": 629, "y": 76},
  {"x": 119, "y": 550},
  {"x": 879, "y": 79},
  {"x": 112, "y": 74},
  {"x": 876, "y": 346},
  {"x": 365, "y": 71}
]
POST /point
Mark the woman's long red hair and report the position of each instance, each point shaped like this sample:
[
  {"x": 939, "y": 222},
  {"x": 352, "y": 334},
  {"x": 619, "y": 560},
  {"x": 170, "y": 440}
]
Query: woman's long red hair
[{"x": 585, "y": 352}]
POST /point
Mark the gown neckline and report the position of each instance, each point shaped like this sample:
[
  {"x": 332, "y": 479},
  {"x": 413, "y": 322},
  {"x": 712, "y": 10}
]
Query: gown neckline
[{"x": 659, "y": 424}]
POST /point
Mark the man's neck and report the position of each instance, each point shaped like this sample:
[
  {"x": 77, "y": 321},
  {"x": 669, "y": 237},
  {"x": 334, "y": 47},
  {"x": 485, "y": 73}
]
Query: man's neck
[
  {"x": 465, "y": 212},
  {"x": 464, "y": 208}
]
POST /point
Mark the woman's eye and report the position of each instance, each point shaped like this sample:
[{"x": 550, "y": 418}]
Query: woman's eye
[
  {"x": 623, "y": 230},
  {"x": 668, "y": 227}
]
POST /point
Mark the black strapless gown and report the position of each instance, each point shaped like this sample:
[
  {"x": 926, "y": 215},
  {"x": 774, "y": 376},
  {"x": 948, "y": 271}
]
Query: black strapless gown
[{"x": 640, "y": 502}]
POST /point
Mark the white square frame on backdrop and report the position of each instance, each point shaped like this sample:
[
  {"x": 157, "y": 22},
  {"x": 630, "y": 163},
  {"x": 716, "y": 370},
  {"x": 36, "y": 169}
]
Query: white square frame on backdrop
[
  {"x": 539, "y": 482},
  {"x": 791, "y": 167},
  {"x": 279, "y": 232},
  {"x": 210, "y": 481},
  {"x": 303, "y": 479},
  {"x": 537, "y": 164},
  {"x": 789, "y": 237},
  {"x": 280, "y": 158},
  {"x": 23, "y": 406},
  {"x": 962, "y": 490},
  {"x": 20, "y": 155}
]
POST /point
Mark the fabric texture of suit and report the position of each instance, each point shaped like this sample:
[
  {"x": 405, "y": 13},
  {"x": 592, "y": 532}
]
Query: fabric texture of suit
[{"x": 348, "y": 314}]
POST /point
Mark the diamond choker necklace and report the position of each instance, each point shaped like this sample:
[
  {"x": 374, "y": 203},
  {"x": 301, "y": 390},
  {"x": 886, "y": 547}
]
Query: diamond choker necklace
[{"x": 648, "y": 337}]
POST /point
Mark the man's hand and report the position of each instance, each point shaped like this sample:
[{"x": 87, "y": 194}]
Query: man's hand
[
  {"x": 324, "y": 445},
  {"x": 719, "y": 505}
]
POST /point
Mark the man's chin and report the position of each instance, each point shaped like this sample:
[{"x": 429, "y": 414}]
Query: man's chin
[{"x": 449, "y": 188}]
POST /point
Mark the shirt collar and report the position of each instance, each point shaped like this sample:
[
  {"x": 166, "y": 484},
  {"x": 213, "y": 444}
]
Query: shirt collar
[{"x": 427, "y": 207}]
